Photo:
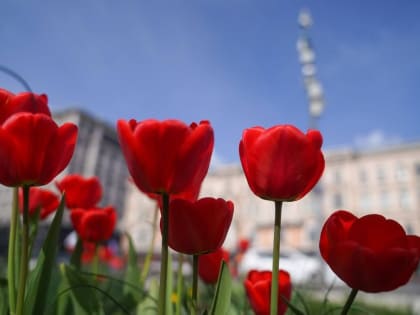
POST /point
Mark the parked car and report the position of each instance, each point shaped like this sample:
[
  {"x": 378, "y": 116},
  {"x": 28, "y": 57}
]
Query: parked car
[{"x": 301, "y": 267}]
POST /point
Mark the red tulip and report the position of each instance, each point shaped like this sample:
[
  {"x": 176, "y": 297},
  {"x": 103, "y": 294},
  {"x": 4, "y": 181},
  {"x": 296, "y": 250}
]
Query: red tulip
[
  {"x": 116, "y": 263},
  {"x": 190, "y": 195},
  {"x": 199, "y": 227},
  {"x": 370, "y": 253},
  {"x": 258, "y": 289},
  {"x": 166, "y": 156},
  {"x": 95, "y": 224},
  {"x": 107, "y": 255},
  {"x": 243, "y": 245},
  {"x": 88, "y": 253},
  {"x": 33, "y": 149},
  {"x": 44, "y": 200},
  {"x": 209, "y": 265},
  {"x": 81, "y": 192},
  {"x": 281, "y": 163},
  {"x": 23, "y": 102}
]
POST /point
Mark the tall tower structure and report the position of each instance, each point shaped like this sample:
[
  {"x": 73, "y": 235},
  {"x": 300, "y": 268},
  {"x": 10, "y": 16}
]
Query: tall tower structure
[{"x": 313, "y": 87}]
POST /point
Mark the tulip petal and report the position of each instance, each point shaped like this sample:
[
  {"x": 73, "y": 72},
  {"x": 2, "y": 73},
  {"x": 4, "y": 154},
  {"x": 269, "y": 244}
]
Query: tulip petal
[{"x": 370, "y": 253}]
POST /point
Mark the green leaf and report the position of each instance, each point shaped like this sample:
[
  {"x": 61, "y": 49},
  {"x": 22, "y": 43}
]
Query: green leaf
[
  {"x": 132, "y": 291},
  {"x": 63, "y": 304},
  {"x": 82, "y": 291},
  {"x": 75, "y": 259},
  {"x": 149, "y": 305},
  {"x": 39, "y": 281},
  {"x": 4, "y": 307},
  {"x": 169, "y": 284},
  {"x": 221, "y": 300},
  {"x": 132, "y": 274},
  {"x": 293, "y": 308}
]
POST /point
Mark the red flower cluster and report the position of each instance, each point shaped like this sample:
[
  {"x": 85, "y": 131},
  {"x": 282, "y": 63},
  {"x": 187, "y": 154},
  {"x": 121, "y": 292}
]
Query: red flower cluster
[
  {"x": 94, "y": 224},
  {"x": 105, "y": 254},
  {"x": 209, "y": 265},
  {"x": 258, "y": 288},
  {"x": 42, "y": 200},
  {"x": 281, "y": 163},
  {"x": 166, "y": 156},
  {"x": 199, "y": 227},
  {"x": 80, "y": 192},
  {"x": 370, "y": 253}
]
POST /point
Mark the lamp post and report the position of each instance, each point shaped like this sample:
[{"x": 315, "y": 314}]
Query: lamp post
[{"x": 313, "y": 87}]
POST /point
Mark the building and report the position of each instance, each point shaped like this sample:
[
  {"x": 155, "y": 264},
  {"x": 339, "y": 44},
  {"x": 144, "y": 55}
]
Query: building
[
  {"x": 384, "y": 180},
  {"x": 98, "y": 153}
]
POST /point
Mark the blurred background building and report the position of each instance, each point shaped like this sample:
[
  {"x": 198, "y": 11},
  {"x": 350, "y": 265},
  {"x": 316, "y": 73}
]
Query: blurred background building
[{"x": 384, "y": 180}]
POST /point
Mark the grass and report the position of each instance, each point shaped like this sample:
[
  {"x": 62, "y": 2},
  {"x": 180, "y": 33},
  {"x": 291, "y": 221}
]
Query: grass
[{"x": 310, "y": 305}]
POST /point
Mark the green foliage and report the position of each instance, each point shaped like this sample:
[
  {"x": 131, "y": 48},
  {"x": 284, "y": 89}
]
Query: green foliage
[
  {"x": 313, "y": 306},
  {"x": 70, "y": 289},
  {"x": 39, "y": 281},
  {"x": 82, "y": 291},
  {"x": 149, "y": 305},
  {"x": 221, "y": 301}
]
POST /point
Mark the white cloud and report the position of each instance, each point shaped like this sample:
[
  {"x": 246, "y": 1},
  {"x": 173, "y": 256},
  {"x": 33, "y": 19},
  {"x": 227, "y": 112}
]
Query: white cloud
[{"x": 375, "y": 139}]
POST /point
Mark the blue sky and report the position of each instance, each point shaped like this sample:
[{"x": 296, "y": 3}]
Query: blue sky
[{"x": 233, "y": 62}]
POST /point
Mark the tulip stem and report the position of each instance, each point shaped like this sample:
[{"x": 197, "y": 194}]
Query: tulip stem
[
  {"x": 24, "y": 252},
  {"x": 179, "y": 284},
  {"x": 95, "y": 264},
  {"x": 164, "y": 255},
  {"x": 195, "y": 284},
  {"x": 149, "y": 255},
  {"x": 276, "y": 257},
  {"x": 349, "y": 301},
  {"x": 11, "y": 253}
]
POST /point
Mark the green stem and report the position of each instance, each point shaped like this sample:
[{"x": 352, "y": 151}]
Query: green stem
[
  {"x": 11, "y": 253},
  {"x": 276, "y": 257},
  {"x": 95, "y": 263},
  {"x": 33, "y": 231},
  {"x": 349, "y": 301},
  {"x": 195, "y": 285},
  {"x": 179, "y": 284},
  {"x": 164, "y": 255},
  {"x": 149, "y": 256},
  {"x": 24, "y": 252}
]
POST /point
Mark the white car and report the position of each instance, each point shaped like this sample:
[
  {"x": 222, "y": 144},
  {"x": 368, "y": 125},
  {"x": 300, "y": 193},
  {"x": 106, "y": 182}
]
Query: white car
[{"x": 301, "y": 267}]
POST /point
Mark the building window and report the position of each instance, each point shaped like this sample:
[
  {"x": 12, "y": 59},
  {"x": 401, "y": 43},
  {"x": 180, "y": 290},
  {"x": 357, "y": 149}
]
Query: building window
[
  {"x": 401, "y": 173},
  {"x": 313, "y": 233},
  {"x": 363, "y": 177},
  {"x": 365, "y": 202},
  {"x": 384, "y": 200},
  {"x": 381, "y": 174},
  {"x": 404, "y": 199},
  {"x": 338, "y": 200},
  {"x": 337, "y": 177}
]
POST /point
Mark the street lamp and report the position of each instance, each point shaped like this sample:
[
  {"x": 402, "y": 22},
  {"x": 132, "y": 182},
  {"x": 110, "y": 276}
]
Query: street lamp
[{"x": 313, "y": 87}]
